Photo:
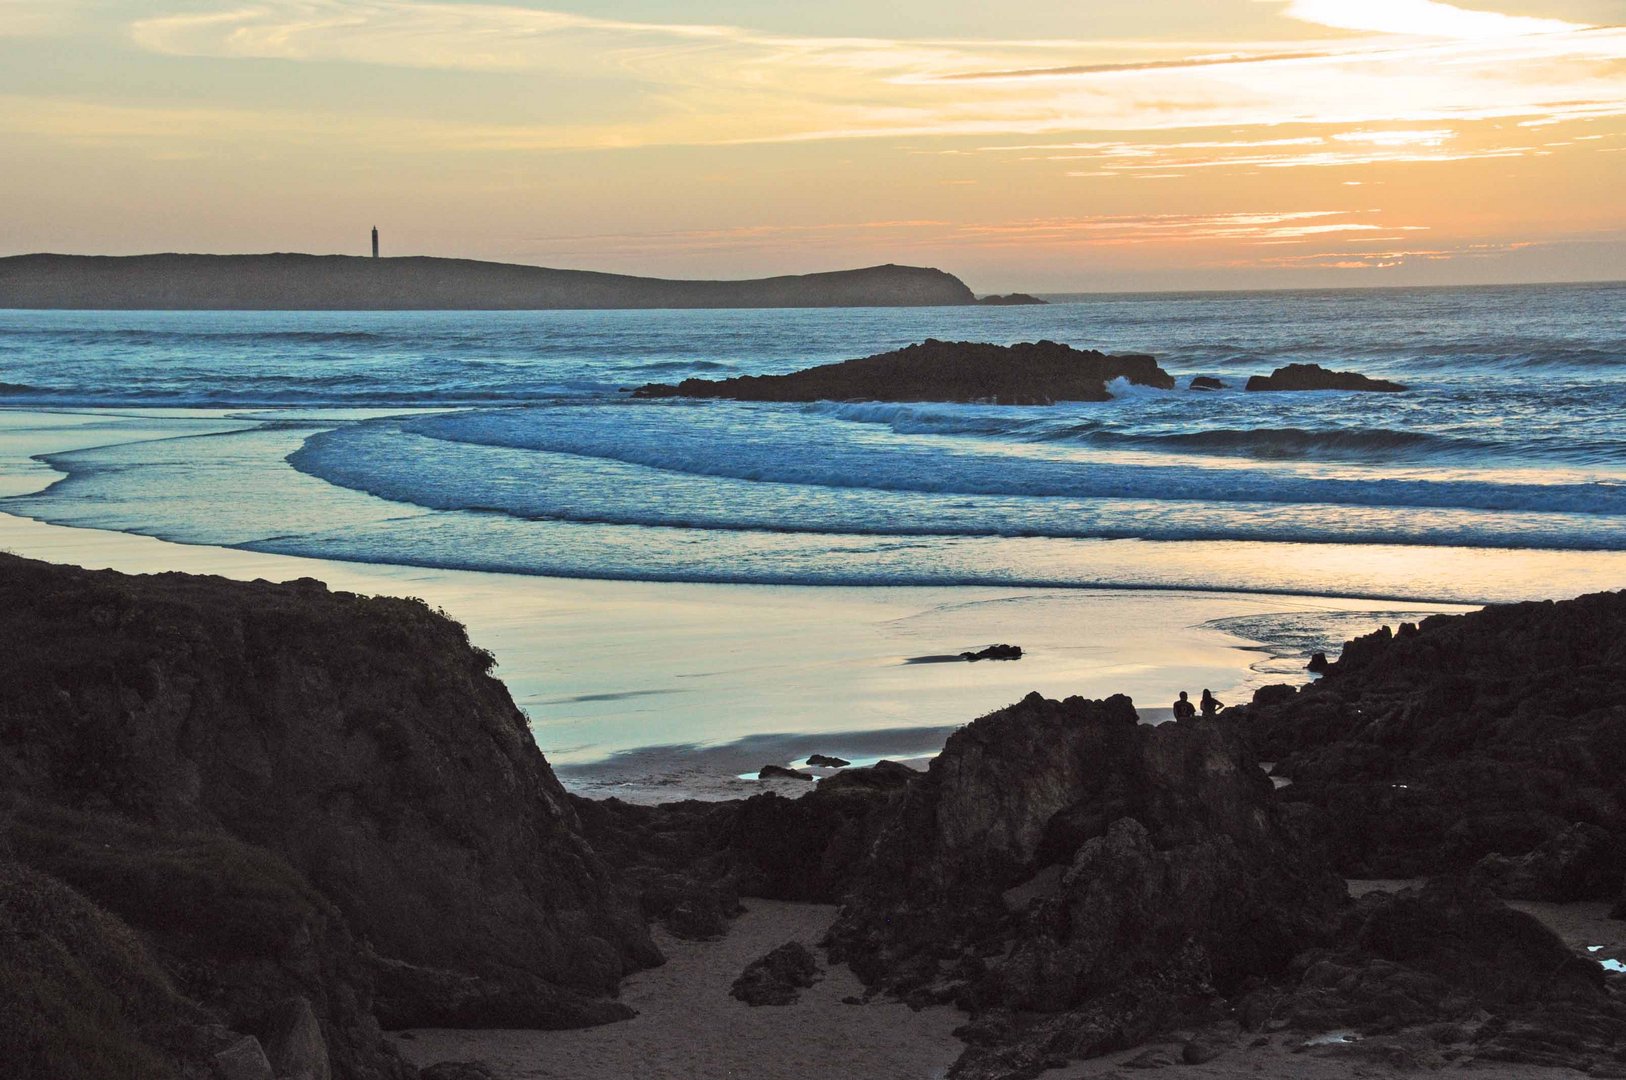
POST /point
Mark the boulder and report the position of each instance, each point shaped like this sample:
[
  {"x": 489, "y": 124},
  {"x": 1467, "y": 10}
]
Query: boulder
[
  {"x": 777, "y": 978},
  {"x": 1316, "y": 377},
  {"x": 1205, "y": 382},
  {"x": 825, "y": 761},
  {"x": 1031, "y": 373}
]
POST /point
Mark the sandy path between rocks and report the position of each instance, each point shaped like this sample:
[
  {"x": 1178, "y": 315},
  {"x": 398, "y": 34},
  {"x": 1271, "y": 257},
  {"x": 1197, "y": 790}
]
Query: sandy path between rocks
[{"x": 688, "y": 1028}]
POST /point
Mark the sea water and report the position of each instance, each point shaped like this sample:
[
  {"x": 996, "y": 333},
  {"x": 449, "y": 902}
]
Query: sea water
[{"x": 507, "y": 441}]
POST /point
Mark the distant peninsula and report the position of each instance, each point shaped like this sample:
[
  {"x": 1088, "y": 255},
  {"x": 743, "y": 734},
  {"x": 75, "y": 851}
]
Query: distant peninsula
[
  {"x": 1029, "y": 373},
  {"x": 289, "y": 282}
]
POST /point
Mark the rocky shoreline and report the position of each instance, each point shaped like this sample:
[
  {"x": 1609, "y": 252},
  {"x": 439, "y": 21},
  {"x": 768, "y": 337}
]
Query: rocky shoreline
[{"x": 246, "y": 828}]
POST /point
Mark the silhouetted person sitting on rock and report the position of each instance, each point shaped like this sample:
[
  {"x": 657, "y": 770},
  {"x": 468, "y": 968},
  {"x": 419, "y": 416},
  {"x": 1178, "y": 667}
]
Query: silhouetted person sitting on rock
[
  {"x": 1211, "y": 704},
  {"x": 1184, "y": 709}
]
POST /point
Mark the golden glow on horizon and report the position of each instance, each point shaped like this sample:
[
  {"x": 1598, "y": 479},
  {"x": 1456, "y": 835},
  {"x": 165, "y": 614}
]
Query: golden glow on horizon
[{"x": 680, "y": 145}]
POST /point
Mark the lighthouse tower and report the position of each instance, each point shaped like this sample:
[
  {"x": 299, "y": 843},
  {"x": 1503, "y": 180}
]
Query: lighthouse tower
[{"x": 375, "y": 241}]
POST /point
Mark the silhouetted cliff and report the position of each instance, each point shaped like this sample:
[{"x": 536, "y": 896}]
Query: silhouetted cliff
[{"x": 346, "y": 283}]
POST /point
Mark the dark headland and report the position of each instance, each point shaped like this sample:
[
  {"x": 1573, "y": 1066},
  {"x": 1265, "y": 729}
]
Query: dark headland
[
  {"x": 247, "y": 828},
  {"x": 290, "y": 282}
]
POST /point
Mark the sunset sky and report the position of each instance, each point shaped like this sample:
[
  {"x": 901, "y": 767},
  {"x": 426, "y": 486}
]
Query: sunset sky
[{"x": 1044, "y": 145}]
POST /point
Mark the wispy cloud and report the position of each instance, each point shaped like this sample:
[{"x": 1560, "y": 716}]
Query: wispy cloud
[
  {"x": 716, "y": 84},
  {"x": 1423, "y": 18}
]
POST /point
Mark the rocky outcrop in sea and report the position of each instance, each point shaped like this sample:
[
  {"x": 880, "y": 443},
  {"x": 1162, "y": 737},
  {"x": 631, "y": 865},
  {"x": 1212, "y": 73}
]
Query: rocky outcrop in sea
[
  {"x": 1031, "y": 373},
  {"x": 1316, "y": 377}
]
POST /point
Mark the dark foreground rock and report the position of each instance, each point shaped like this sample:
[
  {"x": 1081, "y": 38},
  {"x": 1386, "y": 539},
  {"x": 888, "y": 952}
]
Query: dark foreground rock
[
  {"x": 289, "y": 794},
  {"x": 1454, "y": 965},
  {"x": 777, "y": 978},
  {"x": 1078, "y": 881},
  {"x": 1032, "y": 373},
  {"x": 1316, "y": 377},
  {"x": 1498, "y": 735}
]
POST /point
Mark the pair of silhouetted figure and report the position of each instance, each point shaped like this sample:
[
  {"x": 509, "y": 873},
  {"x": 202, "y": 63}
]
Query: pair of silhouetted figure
[{"x": 1185, "y": 710}]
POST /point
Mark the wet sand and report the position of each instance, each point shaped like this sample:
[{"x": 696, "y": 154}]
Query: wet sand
[{"x": 657, "y": 691}]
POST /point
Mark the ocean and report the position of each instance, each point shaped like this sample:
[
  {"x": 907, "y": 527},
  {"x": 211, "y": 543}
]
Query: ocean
[
  {"x": 506, "y": 441},
  {"x": 681, "y": 591}
]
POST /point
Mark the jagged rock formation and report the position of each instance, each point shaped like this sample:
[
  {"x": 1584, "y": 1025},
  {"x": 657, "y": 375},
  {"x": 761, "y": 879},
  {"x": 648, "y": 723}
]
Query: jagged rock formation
[
  {"x": 1316, "y": 377},
  {"x": 293, "y": 793},
  {"x": 1489, "y": 734},
  {"x": 1078, "y": 880},
  {"x": 340, "y": 282},
  {"x": 1031, "y": 373}
]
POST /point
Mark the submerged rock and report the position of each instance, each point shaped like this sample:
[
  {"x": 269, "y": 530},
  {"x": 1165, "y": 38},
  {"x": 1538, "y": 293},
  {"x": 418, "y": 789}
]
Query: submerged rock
[
  {"x": 777, "y": 978},
  {"x": 1031, "y": 373},
  {"x": 1316, "y": 377}
]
